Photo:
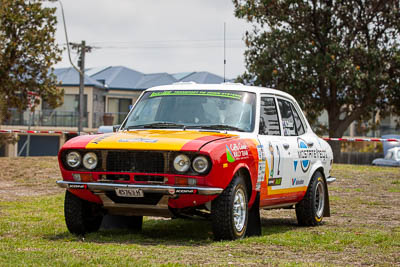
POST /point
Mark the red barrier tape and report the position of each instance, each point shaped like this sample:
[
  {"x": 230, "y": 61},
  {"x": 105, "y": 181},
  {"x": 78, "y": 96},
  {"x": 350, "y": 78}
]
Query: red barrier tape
[
  {"x": 325, "y": 138},
  {"x": 361, "y": 139},
  {"x": 37, "y": 132}
]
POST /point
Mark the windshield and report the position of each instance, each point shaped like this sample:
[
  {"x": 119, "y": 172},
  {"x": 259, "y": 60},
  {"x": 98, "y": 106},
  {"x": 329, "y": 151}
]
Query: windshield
[{"x": 201, "y": 109}]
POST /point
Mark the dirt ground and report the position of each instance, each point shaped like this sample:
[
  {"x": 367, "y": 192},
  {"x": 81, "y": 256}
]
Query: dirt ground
[
  {"x": 370, "y": 194},
  {"x": 28, "y": 176},
  {"x": 365, "y": 203}
]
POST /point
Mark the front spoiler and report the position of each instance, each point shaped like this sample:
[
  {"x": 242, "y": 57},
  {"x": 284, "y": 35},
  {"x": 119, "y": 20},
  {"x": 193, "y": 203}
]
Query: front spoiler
[{"x": 163, "y": 189}]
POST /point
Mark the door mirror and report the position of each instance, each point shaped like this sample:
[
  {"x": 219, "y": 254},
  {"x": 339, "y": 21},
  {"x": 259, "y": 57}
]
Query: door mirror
[{"x": 116, "y": 127}]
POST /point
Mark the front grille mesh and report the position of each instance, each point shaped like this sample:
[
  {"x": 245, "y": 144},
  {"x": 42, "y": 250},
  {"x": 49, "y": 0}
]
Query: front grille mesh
[{"x": 135, "y": 161}]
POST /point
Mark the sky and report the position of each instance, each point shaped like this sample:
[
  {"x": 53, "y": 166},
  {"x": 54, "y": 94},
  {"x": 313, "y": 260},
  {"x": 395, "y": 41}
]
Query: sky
[{"x": 153, "y": 36}]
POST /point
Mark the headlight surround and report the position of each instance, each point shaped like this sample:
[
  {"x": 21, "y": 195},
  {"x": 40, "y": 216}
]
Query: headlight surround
[
  {"x": 73, "y": 159},
  {"x": 181, "y": 163},
  {"x": 90, "y": 160},
  {"x": 200, "y": 164}
]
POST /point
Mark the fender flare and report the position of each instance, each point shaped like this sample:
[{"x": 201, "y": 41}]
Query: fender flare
[{"x": 252, "y": 190}]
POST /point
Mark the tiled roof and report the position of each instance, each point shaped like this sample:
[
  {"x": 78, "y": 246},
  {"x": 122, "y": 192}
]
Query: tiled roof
[
  {"x": 70, "y": 77},
  {"x": 123, "y": 78}
]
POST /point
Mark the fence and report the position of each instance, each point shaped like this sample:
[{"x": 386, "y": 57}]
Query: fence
[{"x": 46, "y": 118}]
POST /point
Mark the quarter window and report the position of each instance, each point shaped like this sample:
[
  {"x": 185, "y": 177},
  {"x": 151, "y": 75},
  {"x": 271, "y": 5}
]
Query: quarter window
[
  {"x": 297, "y": 121},
  {"x": 289, "y": 127},
  {"x": 269, "y": 120}
]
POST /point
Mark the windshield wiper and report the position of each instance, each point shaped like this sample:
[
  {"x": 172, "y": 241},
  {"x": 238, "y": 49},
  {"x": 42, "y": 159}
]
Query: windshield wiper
[
  {"x": 156, "y": 125},
  {"x": 216, "y": 127}
]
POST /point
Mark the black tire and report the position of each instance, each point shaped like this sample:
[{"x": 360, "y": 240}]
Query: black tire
[
  {"x": 310, "y": 210},
  {"x": 81, "y": 216},
  {"x": 224, "y": 225}
]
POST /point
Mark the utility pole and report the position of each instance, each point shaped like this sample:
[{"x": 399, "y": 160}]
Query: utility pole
[{"x": 82, "y": 48}]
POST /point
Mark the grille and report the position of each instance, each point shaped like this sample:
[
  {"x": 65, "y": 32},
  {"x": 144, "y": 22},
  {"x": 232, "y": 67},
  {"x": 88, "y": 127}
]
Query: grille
[{"x": 135, "y": 161}]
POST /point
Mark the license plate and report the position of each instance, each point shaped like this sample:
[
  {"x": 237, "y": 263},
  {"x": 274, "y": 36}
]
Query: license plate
[{"x": 129, "y": 192}]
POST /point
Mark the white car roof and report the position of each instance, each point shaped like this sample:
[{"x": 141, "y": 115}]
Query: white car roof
[{"x": 222, "y": 86}]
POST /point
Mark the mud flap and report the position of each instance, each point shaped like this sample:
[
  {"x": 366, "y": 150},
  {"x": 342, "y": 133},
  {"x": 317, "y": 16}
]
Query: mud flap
[
  {"x": 327, "y": 210},
  {"x": 254, "y": 221}
]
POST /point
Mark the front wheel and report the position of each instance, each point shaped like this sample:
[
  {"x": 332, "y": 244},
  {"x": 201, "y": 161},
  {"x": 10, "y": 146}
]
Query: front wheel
[
  {"x": 310, "y": 210},
  {"x": 81, "y": 216},
  {"x": 229, "y": 211}
]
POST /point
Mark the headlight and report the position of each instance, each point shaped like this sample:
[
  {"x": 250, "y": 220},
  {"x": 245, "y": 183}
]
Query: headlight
[
  {"x": 73, "y": 159},
  {"x": 90, "y": 160},
  {"x": 181, "y": 163},
  {"x": 200, "y": 164}
]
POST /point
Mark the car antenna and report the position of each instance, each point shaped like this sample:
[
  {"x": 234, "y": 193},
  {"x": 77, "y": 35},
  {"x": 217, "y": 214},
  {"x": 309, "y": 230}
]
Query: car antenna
[{"x": 224, "y": 48}]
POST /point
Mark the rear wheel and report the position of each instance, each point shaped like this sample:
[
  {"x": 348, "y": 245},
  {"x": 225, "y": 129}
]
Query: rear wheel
[
  {"x": 310, "y": 210},
  {"x": 81, "y": 216},
  {"x": 229, "y": 211}
]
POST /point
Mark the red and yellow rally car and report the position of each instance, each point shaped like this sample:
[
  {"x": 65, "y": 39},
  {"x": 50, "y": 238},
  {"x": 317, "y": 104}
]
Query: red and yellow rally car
[{"x": 219, "y": 151}]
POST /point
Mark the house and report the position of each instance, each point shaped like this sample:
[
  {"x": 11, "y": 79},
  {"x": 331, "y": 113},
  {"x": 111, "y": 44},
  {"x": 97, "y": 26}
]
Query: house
[{"x": 109, "y": 93}]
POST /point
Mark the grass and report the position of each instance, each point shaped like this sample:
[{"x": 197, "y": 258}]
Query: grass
[{"x": 364, "y": 230}]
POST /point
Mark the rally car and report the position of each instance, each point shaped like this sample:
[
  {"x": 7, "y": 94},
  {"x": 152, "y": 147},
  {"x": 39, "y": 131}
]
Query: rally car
[{"x": 221, "y": 151}]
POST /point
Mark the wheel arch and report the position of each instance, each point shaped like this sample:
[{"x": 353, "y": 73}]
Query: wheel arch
[{"x": 245, "y": 172}]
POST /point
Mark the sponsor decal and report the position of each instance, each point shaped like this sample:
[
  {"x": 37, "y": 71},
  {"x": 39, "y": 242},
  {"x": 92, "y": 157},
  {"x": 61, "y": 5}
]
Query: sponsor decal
[
  {"x": 305, "y": 164},
  {"x": 296, "y": 181},
  {"x": 185, "y": 191},
  {"x": 77, "y": 186},
  {"x": 237, "y": 151},
  {"x": 261, "y": 153},
  {"x": 295, "y": 165},
  {"x": 102, "y": 137},
  {"x": 258, "y": 186},
  {"x": 197, "y": 93},
  {"x": 279, "y": 160},
  {"x": 271, "y": 150},
  {"x": 261, "y": 163},
  {"x": 225, "y": 165},
  {"x": 306, "y": 154},
  {"x": 138, "y": 140},
  {"x": 229, "y": 155},
  {"x": 171, "y": 191},
  {"x": 274, "y": 181}
]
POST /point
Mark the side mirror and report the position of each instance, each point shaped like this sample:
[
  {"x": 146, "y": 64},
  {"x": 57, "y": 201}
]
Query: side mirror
[{"x": 116, "y": 127}]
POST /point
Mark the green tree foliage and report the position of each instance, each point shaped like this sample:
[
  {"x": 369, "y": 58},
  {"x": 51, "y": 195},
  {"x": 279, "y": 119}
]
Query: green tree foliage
[
  {"x": 341, "y": 56},
  {"x": 27, "y": 53}
]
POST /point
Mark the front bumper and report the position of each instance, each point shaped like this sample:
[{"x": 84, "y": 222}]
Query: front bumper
[{"x": 163, "y": 189}]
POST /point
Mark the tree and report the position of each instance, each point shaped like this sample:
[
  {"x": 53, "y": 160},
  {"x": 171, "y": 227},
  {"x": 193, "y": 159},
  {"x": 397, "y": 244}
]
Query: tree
[
  {"x": 342, "y": 56},
  {"x": 27, "y": 53}
]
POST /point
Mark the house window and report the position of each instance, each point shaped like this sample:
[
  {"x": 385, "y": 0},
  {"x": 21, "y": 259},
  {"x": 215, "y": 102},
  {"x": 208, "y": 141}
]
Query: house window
[
  {"x": 71, "y": 103},
  {"x": 119, "y": 107}
]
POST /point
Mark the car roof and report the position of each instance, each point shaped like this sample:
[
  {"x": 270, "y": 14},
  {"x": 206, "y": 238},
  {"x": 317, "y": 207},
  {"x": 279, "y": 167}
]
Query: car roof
[{"x": 221, "y": 86}]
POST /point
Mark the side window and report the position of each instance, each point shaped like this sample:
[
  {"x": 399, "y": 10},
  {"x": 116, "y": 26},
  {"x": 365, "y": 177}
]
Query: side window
[
  {"x": 269, "y": 120},
  {"x": 289, "y": 128},
  {"x": 297, "y": 121}
]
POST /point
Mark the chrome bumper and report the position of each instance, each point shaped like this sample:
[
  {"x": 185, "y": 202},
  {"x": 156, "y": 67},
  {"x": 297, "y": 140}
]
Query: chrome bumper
[
  {"x": 163, "y": 189},
  {"x": 330, "y": 179}
]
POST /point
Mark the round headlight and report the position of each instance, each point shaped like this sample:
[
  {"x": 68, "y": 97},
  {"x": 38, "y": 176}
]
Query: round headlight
[
  {"x": 181, "y": 163},
  {"x": 73, "y": 159},
  {"x": 90, "y": 160},
  {"x": 200, "y": 164}
]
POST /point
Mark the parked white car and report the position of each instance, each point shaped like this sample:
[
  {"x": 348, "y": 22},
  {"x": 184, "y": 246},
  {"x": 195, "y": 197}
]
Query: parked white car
[{"x": 392, "y": 158}]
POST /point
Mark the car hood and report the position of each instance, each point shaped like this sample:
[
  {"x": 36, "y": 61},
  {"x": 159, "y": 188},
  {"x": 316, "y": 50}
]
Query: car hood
[{"x": 172, "y": 140}]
